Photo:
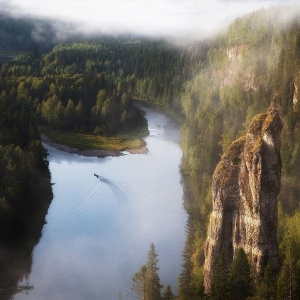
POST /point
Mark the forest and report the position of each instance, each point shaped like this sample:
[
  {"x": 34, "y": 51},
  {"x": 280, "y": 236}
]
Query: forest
[
  {"x": 216, "y": 86},
  {"x": 25, "y": 191}
]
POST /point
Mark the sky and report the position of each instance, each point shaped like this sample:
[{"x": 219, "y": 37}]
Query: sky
[{"x": 190, "y": 18}]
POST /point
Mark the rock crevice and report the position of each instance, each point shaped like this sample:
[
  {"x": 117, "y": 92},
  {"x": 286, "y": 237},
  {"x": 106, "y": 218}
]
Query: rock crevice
[{"x": 245, "y": 186}]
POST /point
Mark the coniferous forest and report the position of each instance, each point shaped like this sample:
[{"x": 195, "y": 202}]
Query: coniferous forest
[{"x": 91, "y": 85}]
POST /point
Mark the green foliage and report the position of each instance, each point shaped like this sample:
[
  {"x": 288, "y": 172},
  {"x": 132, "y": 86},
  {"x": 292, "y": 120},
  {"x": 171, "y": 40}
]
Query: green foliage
[
  {"x": 284, "y": 284},
  {"x": 217, "y": 86},
  {"x": 168, "y": 295},
  {"x": 25, "y": 190},
  {"x": 138, "y": 286},
  {"x": 83, "y": 141},
  {"x": 289, "y": 277},
  {"x": 220, "y": 285},
  {"x": 240, "y": 276},
  {"x": 23, "y": 165},
  {"x": 153, "y": 285},
  {"x": 77, "y": 75},
  {"x": 146, "y": 283},
  {"x": 260, "y": 68},
  {"x": 189, "y": 286},
  {"x": 266, "y": 285}
]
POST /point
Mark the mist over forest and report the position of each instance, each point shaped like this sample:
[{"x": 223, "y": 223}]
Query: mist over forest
[
  {"x": 214, "y": 65},
  {"x": 169, "y": 18}
]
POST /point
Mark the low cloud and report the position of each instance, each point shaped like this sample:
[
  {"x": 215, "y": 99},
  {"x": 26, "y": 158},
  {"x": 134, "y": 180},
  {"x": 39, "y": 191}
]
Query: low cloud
[{"x": 187, "y": 18}]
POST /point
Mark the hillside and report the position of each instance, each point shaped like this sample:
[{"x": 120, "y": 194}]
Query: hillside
[
  {"x": 216, "y": 86},
  {"x": 252, "y": 65}
]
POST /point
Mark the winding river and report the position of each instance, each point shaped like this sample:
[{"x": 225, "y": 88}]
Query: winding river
[{"x": 99, "y": 230}]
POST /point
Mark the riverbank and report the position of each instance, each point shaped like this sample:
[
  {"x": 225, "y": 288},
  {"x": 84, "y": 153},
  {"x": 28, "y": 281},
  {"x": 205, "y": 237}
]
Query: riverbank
[
  {"x": 115, "y": 149},
  {"x": 177, "y": 118},
  {"x": 92, "y": 224}
]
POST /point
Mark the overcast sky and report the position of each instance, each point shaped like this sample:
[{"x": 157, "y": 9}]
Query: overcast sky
[{"x": 151, "y": 17}]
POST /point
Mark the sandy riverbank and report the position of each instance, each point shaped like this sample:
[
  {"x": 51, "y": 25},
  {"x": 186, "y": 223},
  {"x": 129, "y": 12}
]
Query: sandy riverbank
[{"x": 90, "y": 152}]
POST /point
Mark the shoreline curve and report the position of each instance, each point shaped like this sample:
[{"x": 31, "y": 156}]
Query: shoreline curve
[{"x": 101, "y": 153}]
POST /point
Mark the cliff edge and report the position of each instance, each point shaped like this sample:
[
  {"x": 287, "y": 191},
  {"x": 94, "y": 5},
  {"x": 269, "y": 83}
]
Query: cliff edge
[{"x": 245, "y": 186}]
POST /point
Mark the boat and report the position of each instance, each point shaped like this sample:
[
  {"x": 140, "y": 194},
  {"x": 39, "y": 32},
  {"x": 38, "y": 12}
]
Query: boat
[{"x": 101, "y": 178}]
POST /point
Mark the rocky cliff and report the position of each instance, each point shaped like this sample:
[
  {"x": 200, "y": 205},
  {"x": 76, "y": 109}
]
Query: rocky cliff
[{"x": 245, "y": 186}]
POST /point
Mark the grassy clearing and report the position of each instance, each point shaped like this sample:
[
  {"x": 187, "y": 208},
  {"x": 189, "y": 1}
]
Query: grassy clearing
[{"x": 97, "y": 142}]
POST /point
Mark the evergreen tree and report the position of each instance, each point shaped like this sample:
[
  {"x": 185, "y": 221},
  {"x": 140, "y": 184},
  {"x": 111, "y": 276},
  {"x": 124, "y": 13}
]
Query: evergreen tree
[
  {"x": 186, "y": 288},
  {"x": 168, "y": 295},
  {"x": 266, "y": 285},
  {"x": 284, "y": 282},
  {"x": 220, "y": 285},
  {"x": 240, "y": 276},
  {"x": 153, "y": 285},
  {"x": 70, "y": 113},
  {"x": 139, "y": 283}
]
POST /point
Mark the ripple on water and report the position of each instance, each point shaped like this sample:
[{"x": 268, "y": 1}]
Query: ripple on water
[{"x": 98, "y": 233}]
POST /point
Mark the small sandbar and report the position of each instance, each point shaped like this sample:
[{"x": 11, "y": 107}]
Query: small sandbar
[{"x": 90, "y": 152}]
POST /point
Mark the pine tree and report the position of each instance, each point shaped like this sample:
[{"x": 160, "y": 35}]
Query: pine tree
[
  {"x": 153, "y": 285},
  {"x": 220, "y": 286},
  {"x": 168, "y": 295},
  {"x": 240, "y": 276},
  {"x": 186, "y": 287},
  {"x": 266, "y": 286},
  {"x": 139, "y": 283},
  {"x": 283, "y": 282}
]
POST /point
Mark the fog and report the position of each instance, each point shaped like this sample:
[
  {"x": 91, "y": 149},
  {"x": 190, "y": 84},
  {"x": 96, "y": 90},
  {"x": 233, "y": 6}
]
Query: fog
[{"x": 177, "y": 18}]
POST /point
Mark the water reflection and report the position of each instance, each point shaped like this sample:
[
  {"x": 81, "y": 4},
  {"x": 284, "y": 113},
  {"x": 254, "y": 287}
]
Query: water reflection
[
  {"x": 15, "y": 266},
  {"x": 17, "y": 244},
  {"x": 98, "y": 232}
]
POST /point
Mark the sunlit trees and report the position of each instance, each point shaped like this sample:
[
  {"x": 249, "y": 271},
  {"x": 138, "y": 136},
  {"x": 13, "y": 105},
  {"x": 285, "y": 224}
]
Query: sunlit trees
[
  {"x": 220, "y": 285},
  {"x": 146, "y": 283},
  {"x": 216, "y": 87},
  {"x": 138, "y": 286},
  {"x": 186, "y": 286},
  {"x": 70, "y": 114},
  {"x": 266, "y": 285},
  {"x": 153, "y": 285}
]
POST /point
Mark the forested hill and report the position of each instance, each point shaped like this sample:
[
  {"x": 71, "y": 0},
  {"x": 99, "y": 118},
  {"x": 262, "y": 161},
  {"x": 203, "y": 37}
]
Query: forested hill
[
  {"x": 255, "y": 63},
  {"x": 216, "y": 85}
]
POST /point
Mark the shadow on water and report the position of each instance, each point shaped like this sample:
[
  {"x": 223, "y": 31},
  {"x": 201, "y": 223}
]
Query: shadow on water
[
  {"x": 15, "y": 267},
  {"x": 18, "y": 237}
]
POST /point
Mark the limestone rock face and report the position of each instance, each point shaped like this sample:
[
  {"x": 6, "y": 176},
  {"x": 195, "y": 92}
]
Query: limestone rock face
[
  {"x": 245, "y": 186},
  {"x": 296, "y": 94}
]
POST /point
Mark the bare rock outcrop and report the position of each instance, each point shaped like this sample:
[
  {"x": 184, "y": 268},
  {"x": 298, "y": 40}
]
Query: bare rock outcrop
[
  {"x": 296, "y": 94},
  {"x": 245, "y": 186}
]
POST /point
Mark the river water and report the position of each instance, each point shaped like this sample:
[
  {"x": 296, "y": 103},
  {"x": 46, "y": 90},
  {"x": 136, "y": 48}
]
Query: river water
[{"x": 98, "y": 232}]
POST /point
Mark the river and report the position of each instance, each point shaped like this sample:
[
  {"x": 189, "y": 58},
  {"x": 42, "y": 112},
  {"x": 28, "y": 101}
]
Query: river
[{"x": 98, "y": 232}]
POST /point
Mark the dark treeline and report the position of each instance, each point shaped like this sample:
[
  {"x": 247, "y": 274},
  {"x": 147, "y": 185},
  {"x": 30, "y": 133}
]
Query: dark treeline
[
  {"x": 216, "y": 85},
  {"x": 21, "y": 33},
  {"x": 24, "y": 168},
  {"x": 25, "y": 188},
  {"x": 25, "y": 192}
]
